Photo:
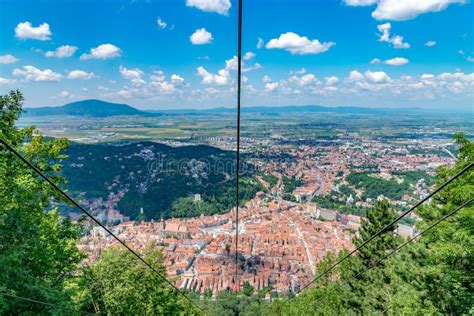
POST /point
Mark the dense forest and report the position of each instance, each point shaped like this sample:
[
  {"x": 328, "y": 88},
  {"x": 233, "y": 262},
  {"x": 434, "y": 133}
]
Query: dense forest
[
  {"x": 392, "y": 189},
  {"x": 145, "y": 172},
  {"x": 40, "y": 260}
]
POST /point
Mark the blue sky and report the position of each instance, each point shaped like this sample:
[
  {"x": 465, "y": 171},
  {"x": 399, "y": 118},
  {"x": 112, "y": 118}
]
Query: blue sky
[{"x": 157, "y": 54}]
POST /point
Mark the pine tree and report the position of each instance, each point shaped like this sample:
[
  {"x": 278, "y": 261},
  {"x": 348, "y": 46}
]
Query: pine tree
[{"x": 367, "y": 288}]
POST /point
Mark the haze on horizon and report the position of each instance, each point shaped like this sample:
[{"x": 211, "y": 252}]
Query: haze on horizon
[{"x": 181, "y": 54}]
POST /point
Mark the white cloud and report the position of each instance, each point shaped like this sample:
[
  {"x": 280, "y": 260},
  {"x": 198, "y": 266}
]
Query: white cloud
[
  {"x": 375, "y": 61},
  {"x": 271, "y": 86},
  {"x": 332, "y": 80},
  {"x": 377, "y": 76},
  {"x": 134, "y": 75},
  {"x": 31, "y": 73},
  {"x": 176, "y": 79},
  {"x": 221, "y": 78},
  {"x": 201, "y": 37},
  {"x": 231, "y": 64},
  {"x": 355, "y": 76},
  {"x": 470, "y": 59},
  {"x": 300, "y": 45},
  {"x": 397, "y": 61},
  {"x": 360, "y": 3},
  {"x": 80, "y": 74},
  {"x": 217, "y": 6},
  {"x": 430, "y": 43},
  {"x": 8, "y": 59},
  {"x": 102, "y": 88},
  {"x": 427, "y": 76},
  {"x": 248, "y": 56},
  {"x": 401, "y": 10},
  {"x": 25, "y": 30},
  {"x": 260, "y": 43},
  {"x": 161, "y": 24},
  {"x": 304, "y": 80},
  {"x": 104, "y": 51},
  {"x": 460, "y": 76},
  {"x": 395, "y": 40},
  {"x": 62, "y": 51}
]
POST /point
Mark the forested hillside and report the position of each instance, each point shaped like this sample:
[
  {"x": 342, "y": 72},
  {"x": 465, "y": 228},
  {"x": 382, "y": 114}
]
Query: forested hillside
[{"x": 157, "y": 177}]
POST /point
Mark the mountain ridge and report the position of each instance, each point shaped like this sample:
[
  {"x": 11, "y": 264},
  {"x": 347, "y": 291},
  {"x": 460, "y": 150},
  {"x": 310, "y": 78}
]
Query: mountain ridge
[{"x": 100, "y": 108}]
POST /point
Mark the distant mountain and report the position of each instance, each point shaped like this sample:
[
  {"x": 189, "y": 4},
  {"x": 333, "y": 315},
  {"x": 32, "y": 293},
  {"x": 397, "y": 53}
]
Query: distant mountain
[
  {"x": 292, "y": 109},
  {"x": 92, "y": 108}
]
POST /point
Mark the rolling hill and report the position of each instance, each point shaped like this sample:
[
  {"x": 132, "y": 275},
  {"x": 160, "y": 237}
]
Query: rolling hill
[
  {"x": 91, "y": 108},
  {"x": 155, "y": 177}
]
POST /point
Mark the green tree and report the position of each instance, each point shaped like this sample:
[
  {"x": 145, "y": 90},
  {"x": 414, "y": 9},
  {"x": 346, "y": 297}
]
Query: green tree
[
  {"x": 119, "y": 284},
  {"x": 366, "y": 288},
  {"x": 447, "y": 268},
  {"x": 38, "y": 253}
]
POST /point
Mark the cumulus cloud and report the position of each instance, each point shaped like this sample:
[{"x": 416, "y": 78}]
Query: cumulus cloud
[
  {"x": 396, "y": 61},
  {"x": 217, "y": 6},
  {"x": 25, "y": 30},
  {"x": 260, "y": 43},
  {"x": 161, "y": 24},
  {"x": 176, "y": 79},
  {"x": 303, "y": 80},
  {"x": 430, "y": 43},
  {"x": 385, "y": 36},
  {"x": 8, "y": 59},
  {"x": 231, "y": 64},
  {"x": 376, "y": 76},
  {"x": 401, "y": 10},
  {"x": 299, "y": 45},
  {"x": 62, "y": 51},
  {"x": 332, "y": 80},
  {"x": 31, "y": 73},
  {"x": 80, "y": 74},
  {"x": 221, "y": 78},
  {"x": 271, "y": 86},
  {"x": 201, "y": 37},
  {"x": 355, "y": 76},
  {"x": 134, "y": 75},
  {"x": 104, "y": 51}
]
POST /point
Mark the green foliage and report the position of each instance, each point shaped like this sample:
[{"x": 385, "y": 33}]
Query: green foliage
[
  {"x": 244, "y": 302},
  {"x": 290, "y": 184},
  {"x": 270, "y": 179},
  {"x": 373, "y": 187},
  {"x": 95, "y": 170},
  {"x": 120, "y": 284},
  {"x": 447, "y": 268},
  {"x": 38, "y": 253}
]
